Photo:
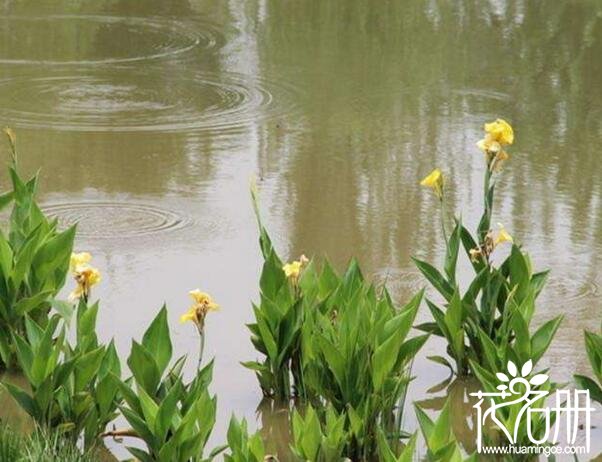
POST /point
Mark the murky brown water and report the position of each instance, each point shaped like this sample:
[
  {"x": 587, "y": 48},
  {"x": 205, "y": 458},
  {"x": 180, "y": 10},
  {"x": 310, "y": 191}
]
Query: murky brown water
[{"x": 148, "y": 118}]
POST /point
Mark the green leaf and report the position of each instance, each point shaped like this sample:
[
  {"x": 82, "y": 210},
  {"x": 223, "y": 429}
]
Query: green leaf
[
  {"x": 86, "y": 367},
  {"x": 157, "y": 339},
  {"x": 440, "y": 434},
  {"x": 54, "y": 255},
  {"x": 25, "y": 305},
  {"x": 543, "y": 337},
  {"x": 453, "y": 321},
  {"x": 5, "y": 199},
  {"x": 334, "y": 359},
  {"x": 312, "y": 435},
  {"x": 149, "y": 408},
  {"x": 451, "y": 254},
  {"x": 63, "y": 308},
  {"x": 585, "y": 383},
  {"x": 142, "y": 364},
  {"x": 6, "y": 257},
  {"x": 519, "y": 274},
  {"x": 593, "y": 346},
  {"x": 425, "y": 422},
  {"x": 384, "y": 359},
  {"x": 24, "y": 400},
  {"x": 435, "y": 278},
  {"x": 410, "y": 348},
  {"x": 441, "y": 360},
  {"x": 139, "y": 426},
  {"x": 522, "y": 340},
  {"x": 469, "y": 243},
  {"x": 167, "y": 412}
]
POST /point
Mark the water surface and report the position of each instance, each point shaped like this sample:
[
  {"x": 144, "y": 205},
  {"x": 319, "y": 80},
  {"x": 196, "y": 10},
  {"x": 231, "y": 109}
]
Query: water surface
[{"x": 148, "y": 119}]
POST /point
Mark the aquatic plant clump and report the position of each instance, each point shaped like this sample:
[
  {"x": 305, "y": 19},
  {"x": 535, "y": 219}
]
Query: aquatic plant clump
[
  {"x": 488, "y": 324},
  {"x": 333, "y": 340},
  {"x": 34, "y": 259}
]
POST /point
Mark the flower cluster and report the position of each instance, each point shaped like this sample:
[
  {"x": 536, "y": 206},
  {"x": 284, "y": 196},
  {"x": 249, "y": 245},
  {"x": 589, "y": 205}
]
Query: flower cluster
[
  {"x": 497, "y": 135},
  {"x": 85, "y": 276}
]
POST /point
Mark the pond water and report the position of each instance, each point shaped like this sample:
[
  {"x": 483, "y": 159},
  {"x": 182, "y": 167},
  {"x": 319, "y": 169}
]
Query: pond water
[{"x": 147, "y": 120}]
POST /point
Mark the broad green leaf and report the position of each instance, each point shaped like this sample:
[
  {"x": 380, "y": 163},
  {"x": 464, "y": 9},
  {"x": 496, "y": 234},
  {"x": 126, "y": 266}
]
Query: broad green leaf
[
  {"x": 23, "y": 399},
  {"x": 451, "y": 254},
  {"x": 543, "y": 337},
  {"x": 149, "y": 409},
  {"x": 157, "y": 339},
  {"x": 142, "y": 364},
  {"x": 585, "y": 383}
]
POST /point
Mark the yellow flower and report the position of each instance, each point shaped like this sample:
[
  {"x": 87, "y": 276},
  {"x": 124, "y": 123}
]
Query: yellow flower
[
  {"x": 500, "y": 131},
  {"x": 434, "y": 180},
  {"x": 202, "y": 304},
  {"x": 78, "y": 260},
  {"x": 497, "y": 135},
  {"x": 503, "y": 236},
  {"x": 86, "y": 277},
  {"x": 489, "y": 145},
  {"x": 204, "y": 299},
  {"x": 190, "y": 315},
  {"x": 293, "y": 270}
]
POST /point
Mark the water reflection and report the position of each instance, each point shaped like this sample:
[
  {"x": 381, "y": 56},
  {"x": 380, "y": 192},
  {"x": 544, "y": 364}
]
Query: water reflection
[
  {"x": 87, "y": 39},
  {"x": 463, "y": 421},
  {"x": 339, "y": 107}
]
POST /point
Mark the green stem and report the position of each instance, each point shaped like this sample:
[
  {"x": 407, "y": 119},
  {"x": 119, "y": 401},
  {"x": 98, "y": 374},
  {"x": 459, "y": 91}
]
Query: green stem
[
  {"x": 201, "y": 347},
  {"x": 486, "y": 205},
  {"x": 443, "y": 227}
]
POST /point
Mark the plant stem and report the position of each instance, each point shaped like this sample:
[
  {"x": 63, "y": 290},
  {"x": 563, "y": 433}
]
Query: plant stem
[
  {"x": 486, "y": 205},
  {"x": 201, "y": 347},
  {"x": 443, "y": 227}
]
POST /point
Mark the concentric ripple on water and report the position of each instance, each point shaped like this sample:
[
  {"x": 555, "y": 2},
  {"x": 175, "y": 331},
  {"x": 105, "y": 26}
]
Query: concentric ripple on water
[
  {"x": 115, "y": 219},
  {"x": 129, "y": 100},
  {"x": 85, "y": 40}
]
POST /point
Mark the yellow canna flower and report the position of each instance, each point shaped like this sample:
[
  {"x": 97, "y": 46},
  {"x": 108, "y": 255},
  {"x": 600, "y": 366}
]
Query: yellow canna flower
[
  {"x": 434, "y": 180},
  {"x": 190, "y": 315},
  {"x": 202, "y": 304},
  {"x": 500, "y": 131},
  {"x": 78, "y": 260},
  {"x": 86, "y": 277},
  {"x": 503, "y": 236},
  {"x": 293, "y": 270},
  {"x": 202, "y": 298},
  {"x": 489, "y": 145},
  {"x": 497, "y": 135}
]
